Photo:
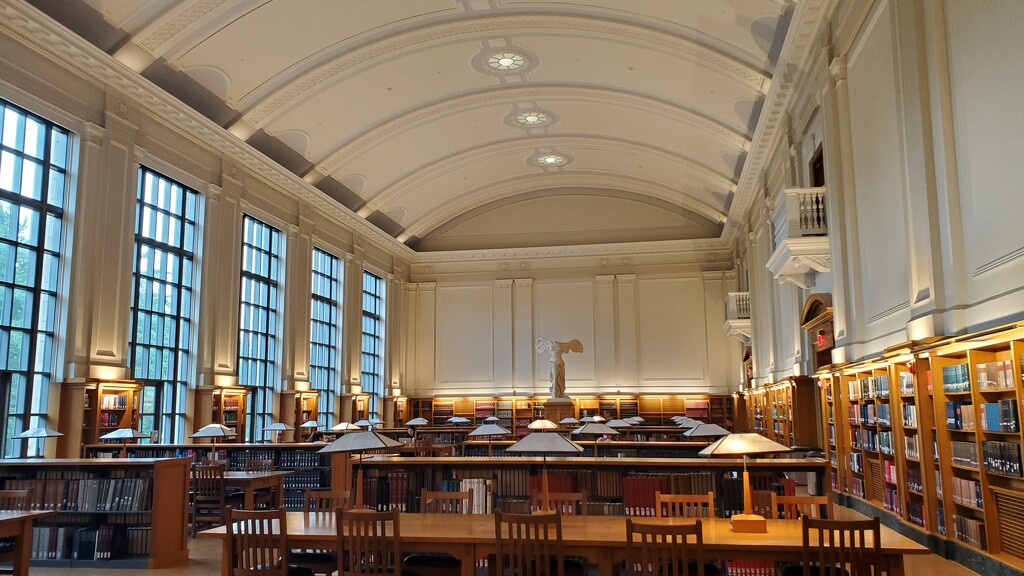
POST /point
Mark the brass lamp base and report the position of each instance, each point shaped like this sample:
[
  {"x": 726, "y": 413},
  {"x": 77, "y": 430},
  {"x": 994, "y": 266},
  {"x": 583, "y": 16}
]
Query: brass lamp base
[{"x": 748, "y": 524}]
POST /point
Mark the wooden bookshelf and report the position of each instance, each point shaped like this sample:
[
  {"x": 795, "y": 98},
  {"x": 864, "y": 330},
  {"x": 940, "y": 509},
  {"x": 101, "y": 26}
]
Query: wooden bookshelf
[
  {"x": 309, "y": 468},
  {"x": 92, "y": 408},
  {"x": 230, "y": 406},
  {"x": 930, "y": 434},
  {"x": 779, "y": 411},
  {"x": 613, "y": 485},
  {"x": 112, "y": 503}
]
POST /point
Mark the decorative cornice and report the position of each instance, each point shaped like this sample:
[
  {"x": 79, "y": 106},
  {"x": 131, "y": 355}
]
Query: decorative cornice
[
  {"x": 678, "y": 247},
  {"x": 38, "y": 32},
  {"x": 804, "y": 29}
]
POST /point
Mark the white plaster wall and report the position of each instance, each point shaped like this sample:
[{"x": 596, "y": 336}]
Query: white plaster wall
[
  {"x": 564, "y": 311},
  {"x": 986, "y": 65},
  {"x": 640, "y": 334},
  {"x": 465, "y": 355},
  {"x": 878, "y": 176},
  {"x": 673, "y": 341}
]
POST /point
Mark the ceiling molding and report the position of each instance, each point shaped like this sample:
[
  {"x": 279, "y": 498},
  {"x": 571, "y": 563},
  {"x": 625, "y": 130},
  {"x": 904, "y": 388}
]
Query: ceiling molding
[
  {"x": 261, "y": 107},
  {"x": 450, "y": 209},
  {"x": 529, "y": 145},
  {"x": 352, "y": 147}
]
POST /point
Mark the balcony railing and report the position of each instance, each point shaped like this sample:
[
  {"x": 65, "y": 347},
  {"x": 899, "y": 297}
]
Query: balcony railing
[
  {"x": 801, "y": 236},
  {"x": 737, "y": 306},
  {"x": 737, "y": 315},
  {"x": 800, "y": 212}
]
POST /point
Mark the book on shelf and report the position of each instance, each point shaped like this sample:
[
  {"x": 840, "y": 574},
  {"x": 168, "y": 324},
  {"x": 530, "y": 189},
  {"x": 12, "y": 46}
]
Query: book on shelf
[{"x": 956, "y": 378}]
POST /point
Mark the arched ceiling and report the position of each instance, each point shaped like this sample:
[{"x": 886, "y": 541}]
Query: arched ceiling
[{"x": 391, "y": 108}]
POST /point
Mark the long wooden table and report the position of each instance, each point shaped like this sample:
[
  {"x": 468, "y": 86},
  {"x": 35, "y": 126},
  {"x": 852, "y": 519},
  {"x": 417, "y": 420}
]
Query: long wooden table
[
  {"x": 17, "y": 524},
  {"x": 250, "y": 482},
  {"x": 600, "y": 539}
]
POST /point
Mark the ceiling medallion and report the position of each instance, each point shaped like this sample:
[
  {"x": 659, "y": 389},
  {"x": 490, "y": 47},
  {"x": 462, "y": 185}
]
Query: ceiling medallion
[
  {"x": 532, "y": 118},
  {"x": 505, "y": 60},
  {"x": 550, "y": 159}
]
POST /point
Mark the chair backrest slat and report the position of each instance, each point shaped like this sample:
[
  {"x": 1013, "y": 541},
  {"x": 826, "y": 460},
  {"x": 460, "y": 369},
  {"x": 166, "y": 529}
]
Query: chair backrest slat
[
  {"x": 658, "y": 549},
  {"x": 568, "y": 503},
  {"x": 15, "y": 499},
  {"x": 257, "y": 542},
  {"x": 795, "y": 507},
  {"x": 684, "y": 505},
  {"x": 434, "y": 502},
  {"x": 849, "y": 547},
  {"x": 529, "y": 544},
  {"x": 370, "y": 540}
]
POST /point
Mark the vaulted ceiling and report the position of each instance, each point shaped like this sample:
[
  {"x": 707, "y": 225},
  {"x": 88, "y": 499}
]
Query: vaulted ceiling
[{"x": 476, "y": 124}]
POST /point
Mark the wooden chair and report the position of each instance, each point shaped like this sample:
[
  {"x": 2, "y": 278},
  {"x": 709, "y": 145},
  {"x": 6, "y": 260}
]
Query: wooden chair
[
  {"x": 661, "y": 550},
  {"x": 370, "y": 540},
  {"x": 208, "y": 497},
  {"x": 319, "y": 506},
  {"x": 839, "y": 547},
  {"x": 432, "y": 502},
  {"x": 319, "y": 500},
  {"x": 12, "y": 500},
  {"x": 263, "y": 498},
  {"x": 256, "y": 547},
  {"x": 568, "y": 503},
  {"x": 531, "y": 545},
  {"x": 684, "y": 505},
  {"x": 795, "y": 507}
]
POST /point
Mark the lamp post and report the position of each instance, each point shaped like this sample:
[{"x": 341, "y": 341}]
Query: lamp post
[
  {"x": 359, "y": 442},
  {"x": 488, "y": 430},
  {"x": 213, "y": 432},
  {"x": 124, "y": 434},
  {"x": 278, "y": 427},
  {"x": 42, "y": 433},
  {"x": 744, "y": 445},
  {"x": 544, "y": 442}
]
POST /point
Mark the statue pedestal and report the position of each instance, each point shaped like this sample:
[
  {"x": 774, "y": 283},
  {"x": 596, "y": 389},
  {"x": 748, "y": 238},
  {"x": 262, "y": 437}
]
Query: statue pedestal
[{"x": 557, "y": 408}]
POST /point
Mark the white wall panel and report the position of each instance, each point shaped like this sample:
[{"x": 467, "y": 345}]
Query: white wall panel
[
  {"x": 673, "y": 341},
  {"x": 985, "y": 56},
  {"x": 878, "y": 174},
  {"x": 465, "y": 335},
  {"x": 565, "y": 311}
]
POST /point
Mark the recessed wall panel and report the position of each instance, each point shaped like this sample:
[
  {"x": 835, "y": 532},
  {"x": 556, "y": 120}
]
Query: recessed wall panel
[
  {"x": 465, "y": 336},
  {"x": 673, "y": 339},
  {"x": 878, "y": 175}
]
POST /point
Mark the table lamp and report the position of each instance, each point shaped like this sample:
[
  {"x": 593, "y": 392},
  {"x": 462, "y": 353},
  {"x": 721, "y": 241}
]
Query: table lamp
[
  {"x": 706, "y": 431},
  {"x": 595, "y": 429},
  {"x": 311, "y": 426},
  {"x": 359, "y": 442},
  {"x": 213, "y": 432},
  {"x": 344, "y": 427},
  {"x": 417, "y": 422},
  {"x": 278, "y": 427},
  {"x": 569, "y": 421},
  {"x": 124, "y": 435},
  {"x": 42, "y": 433},
  {"x": 744, "y": 445},
  {"x": 543, "y": 442},
  {"x": 489, "y": 430},
  {"x": 458, "y": 420}
]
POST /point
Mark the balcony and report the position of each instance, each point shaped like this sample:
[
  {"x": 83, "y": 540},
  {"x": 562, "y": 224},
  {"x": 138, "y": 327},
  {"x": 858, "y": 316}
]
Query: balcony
[
  {"x": 801, "y": 237},
  {"x": 737, "y": 316}
]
